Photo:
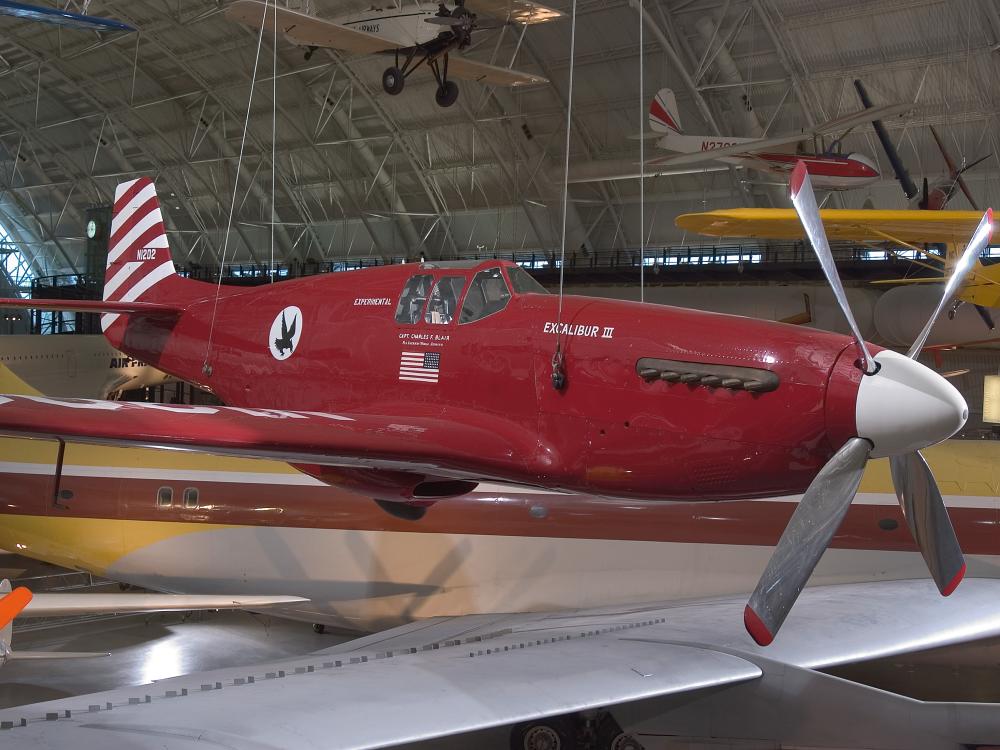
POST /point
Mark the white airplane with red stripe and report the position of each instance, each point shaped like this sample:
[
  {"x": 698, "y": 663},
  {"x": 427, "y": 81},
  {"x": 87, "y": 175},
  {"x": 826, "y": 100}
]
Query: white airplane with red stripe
[{"x": 829, "y": 169}]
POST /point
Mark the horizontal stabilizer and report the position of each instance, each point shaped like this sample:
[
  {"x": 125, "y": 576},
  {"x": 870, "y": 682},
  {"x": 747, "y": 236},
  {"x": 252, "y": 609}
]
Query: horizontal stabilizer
[
  {"x": 64, "y": 605},
  {"x": 51, "y": 655},
  {"x": 94, "y": 306}
]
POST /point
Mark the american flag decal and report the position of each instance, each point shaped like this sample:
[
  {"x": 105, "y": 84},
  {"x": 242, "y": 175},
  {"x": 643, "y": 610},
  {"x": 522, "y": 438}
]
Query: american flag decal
[{"x": 420, "y": 367}]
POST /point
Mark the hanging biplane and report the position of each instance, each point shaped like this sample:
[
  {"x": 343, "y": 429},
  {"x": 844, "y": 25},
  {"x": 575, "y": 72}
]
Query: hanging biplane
[{"x": 414, "y": 35}]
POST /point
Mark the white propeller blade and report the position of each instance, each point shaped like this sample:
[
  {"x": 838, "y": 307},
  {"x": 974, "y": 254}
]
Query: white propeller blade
[
  {"x": 928, "y": 519},
  {"x": 805, "y": 539},
  {"x": 980, "y": 239},
  {"x": 804, "y": 200},
  {"x": 826, "y": 501}
]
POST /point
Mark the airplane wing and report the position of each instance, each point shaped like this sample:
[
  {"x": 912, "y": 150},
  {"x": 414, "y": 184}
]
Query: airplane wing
[
  {"x": 473, "y": 70},
  {"x": 303, "y": 29},
  {"x": 459, "y": 445},
  {"x": 446, "y": 676},
  {"x": 763, "y": 144},
  {"x": 841, "y": 224},
  {"x": 628, "y": 169},
  {"x": 155, "y": 309},
  {"x": 903, "y": 282},
  {"x": 518, "y": 11}
]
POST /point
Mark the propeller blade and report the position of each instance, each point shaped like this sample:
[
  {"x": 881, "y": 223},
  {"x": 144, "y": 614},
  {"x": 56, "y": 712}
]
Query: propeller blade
[
  {"x": 804, "y": 200},
  {"x": 905, "y": 181},
  {"x": 805, "y": 539},
  {"x": 928, "y": 519},
  {"x": 444, "y": 21},
  {"x": 980, "y": 238},
  {"x": 955, "y": 172}
]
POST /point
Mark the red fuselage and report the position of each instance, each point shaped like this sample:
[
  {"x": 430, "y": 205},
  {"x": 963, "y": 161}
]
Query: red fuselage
[
  {"x": 614, "y": 429},
  {"x": 828, "y": 171}
]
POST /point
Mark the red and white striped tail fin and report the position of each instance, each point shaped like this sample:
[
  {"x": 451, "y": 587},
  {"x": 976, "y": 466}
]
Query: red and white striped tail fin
[
  {"x": 139, "y": 258},
  {"x": 663, "y": 115}
]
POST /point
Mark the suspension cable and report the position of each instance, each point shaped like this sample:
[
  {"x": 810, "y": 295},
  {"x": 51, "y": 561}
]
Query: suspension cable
[
  {"x": 274, "y": 125},
  {"x": 205, "y": 367},
  {"x": 557, "y": 357},
  {"x": 642, "y": 166}
]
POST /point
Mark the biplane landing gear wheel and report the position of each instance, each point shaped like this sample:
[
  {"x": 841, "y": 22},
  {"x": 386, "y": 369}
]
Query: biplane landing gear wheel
[
  {"x": 319, "y": 628},
  {"x": 393, "y": 80},
  {"x": 446, "y": 94}
]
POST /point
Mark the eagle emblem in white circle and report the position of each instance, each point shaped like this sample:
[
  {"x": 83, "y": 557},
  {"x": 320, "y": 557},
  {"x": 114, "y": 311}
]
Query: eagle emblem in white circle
[{"x": 286, "y": 330}]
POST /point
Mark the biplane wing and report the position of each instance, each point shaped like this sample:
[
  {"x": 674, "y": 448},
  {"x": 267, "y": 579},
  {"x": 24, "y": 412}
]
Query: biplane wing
[
  {"x": 303, "y": 29},
  {"x": 862, "y": 225},
  {"x": 473, "y": 70}
]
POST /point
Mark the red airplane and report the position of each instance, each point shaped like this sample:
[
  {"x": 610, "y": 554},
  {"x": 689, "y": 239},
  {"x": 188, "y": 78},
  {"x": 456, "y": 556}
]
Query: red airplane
[{"x": 411, "y": 383}]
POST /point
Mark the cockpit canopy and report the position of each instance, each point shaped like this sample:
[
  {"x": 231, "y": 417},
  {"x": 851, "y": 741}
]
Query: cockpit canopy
[{"x": 433, "y": 294}]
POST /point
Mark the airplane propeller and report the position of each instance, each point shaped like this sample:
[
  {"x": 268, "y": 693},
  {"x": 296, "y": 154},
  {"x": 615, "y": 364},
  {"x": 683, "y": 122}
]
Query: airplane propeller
[{"x": 902, "y": 406}]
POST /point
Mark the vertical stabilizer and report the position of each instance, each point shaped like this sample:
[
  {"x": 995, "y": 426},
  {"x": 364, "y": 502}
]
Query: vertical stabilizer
[
  {"x": 663, "y": 115},
  {"x": 140, "y": 267}
]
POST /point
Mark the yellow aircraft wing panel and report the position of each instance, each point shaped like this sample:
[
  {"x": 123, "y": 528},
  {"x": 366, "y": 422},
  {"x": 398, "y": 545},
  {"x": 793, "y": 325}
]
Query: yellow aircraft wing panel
[
  {"x": 841, "y": 224},
  {"x": 305, "y": 30}
]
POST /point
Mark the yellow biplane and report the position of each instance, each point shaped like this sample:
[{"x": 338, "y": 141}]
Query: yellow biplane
[{"x": 903, "y": 228}]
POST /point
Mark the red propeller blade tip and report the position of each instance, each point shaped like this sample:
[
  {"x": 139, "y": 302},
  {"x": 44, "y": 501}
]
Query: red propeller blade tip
[
  {"x": 950, "y": 588},
  {"x": 798, "y": 177},
  {"x": 989, "y": 220},
  {"x": 756, "y": 627}
]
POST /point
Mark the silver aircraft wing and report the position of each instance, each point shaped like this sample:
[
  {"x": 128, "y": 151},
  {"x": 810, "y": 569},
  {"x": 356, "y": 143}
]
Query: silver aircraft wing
[{"x": 447, "y": 676}]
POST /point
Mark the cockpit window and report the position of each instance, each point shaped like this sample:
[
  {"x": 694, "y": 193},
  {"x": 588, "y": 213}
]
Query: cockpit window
[
  {"x": 523, "y": 282},
  {"x": 488, "y": 294},
  {"x": 444, "y": 300},
  {"x": 411, "y": 301}
]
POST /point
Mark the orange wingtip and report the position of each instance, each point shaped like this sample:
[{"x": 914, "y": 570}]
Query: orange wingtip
[{"x": 12, "y": 604}]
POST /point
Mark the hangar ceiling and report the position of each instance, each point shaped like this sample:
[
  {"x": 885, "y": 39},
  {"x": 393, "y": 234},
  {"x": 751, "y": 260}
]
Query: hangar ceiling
[{"x": 360, "y": 174}]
